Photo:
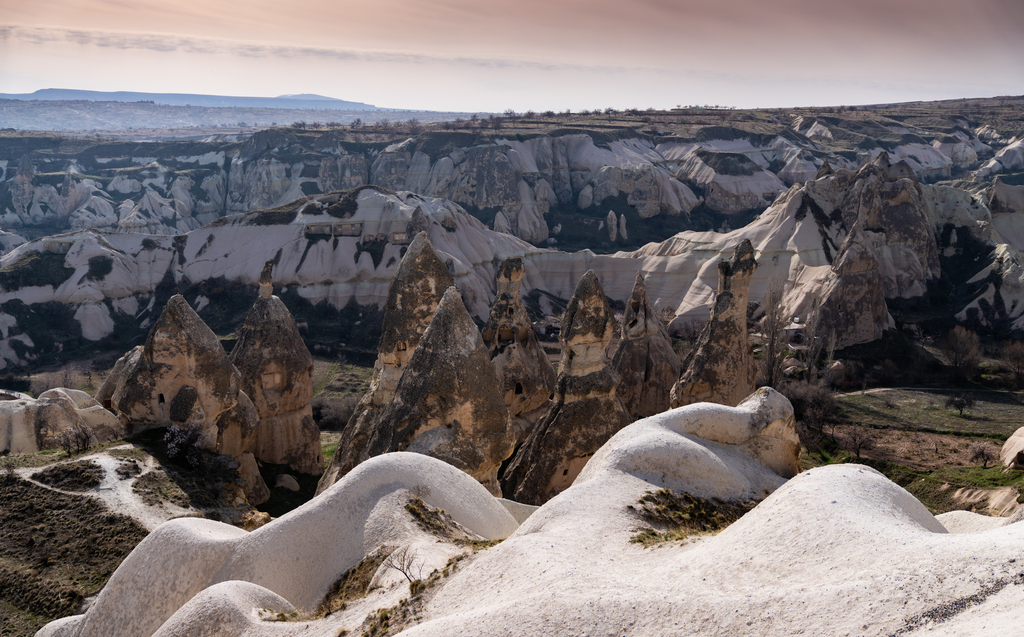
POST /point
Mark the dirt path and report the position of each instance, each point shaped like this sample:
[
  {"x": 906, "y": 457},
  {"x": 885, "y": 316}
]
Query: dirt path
[{"x": 115, "y": 491}]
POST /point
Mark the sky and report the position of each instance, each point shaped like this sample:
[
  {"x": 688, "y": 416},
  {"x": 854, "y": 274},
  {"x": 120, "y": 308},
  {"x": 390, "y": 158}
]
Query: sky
[{"x": 484, "y": 55}]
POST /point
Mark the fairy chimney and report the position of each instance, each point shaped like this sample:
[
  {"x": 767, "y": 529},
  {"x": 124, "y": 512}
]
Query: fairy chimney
[
  {"x": 585, "y": 411},
  {"x": 415, "y": 291},
  {"x": 645, "y": 361},
  {"x": 277, "y": 374},
  {"x": 525, "y": 376},
  {"x": 720, "y": 368}
]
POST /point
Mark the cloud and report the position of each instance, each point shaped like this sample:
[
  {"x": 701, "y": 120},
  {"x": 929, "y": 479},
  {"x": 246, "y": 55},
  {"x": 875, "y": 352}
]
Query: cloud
[{"x": 165, "y": 43}]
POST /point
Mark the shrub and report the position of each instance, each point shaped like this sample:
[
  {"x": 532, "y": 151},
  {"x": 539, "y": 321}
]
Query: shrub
[
  {"x": 183, "y": 443},
  {"x": 333, "y": 414},
  {"x": 963, "y": 348},
  {"x": 811, "y": 402}
]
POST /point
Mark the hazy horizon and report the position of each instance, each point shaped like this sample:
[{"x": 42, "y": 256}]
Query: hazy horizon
[{"x": 486, "y": 56}]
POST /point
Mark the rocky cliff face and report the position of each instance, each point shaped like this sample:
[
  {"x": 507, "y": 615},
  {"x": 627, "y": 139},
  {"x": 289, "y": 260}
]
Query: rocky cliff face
[
  {"x": 335, "y": 253},
  {"x": 511, "y": 182}
]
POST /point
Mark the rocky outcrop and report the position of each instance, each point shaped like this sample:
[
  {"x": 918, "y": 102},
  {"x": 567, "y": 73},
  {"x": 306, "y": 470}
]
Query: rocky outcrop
[
  {"x": 277, "y": 375},
  {"x": 585, "y": 411},
  {"x": 1004, "y": 197},
  {"x": 447, "y": 404},
  {"x": 1012, "y": 453},
  {"x": 182, "y": 377},
  {"x": 720, "y": 368},
  {"x": 852, "y": 295},
  {"x": 525, "y": 376},
  {"x": 645, "y": 361},
  {"x": 28, "y": 424},
  {"x": 413, "y": 297}
]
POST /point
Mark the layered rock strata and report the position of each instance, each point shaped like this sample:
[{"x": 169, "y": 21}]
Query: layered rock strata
[
  {"x": 720, "y": 368},
  {"x": 277, "y": 375},
  {"x": 413, "y": 296},
  {"x": 525, "y": 377},
  {"x": 645, "y": 361},
  {"x": 585, "y": 411}
]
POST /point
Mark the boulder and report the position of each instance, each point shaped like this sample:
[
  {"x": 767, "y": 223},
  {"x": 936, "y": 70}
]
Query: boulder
[
  {"x": 720, "y": 368},
  {"x": 413, "y": 296},
  {"x": 277, "y": 375},
  {"x": 285, "y": 481},
  {"x": 525, "y": 376},
  {"x": 28, "y": 424},
  {"x": 447, "y": 404},
  {"x": 645, "y": 361},
  {"x": 1012, "y": 453},
  {"x": 585, "y": 411}
]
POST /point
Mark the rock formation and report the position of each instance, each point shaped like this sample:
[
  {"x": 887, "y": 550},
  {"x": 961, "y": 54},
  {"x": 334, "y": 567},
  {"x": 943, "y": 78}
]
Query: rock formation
[
  {"x": 28, "y": 424},
  {"x": 525, "y": 376},
  {"x": 413, "y": 297},
  {"x": 853, "y": 296},
  {"x": 277, "y": 375},
  {"x": 182, "y": 377},
  {"x": 585, "y": 411},
  {"x": 720, "y": 368},
  {"x": 1012, "y": 453},
  {"x": 447, "y": 404},
  {"x": 645, "y": 361}
]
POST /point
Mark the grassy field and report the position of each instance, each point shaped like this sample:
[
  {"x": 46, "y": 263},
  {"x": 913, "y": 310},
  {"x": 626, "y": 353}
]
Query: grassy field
[
  {"x": 335, "y": 380},
  {"x": 996, "y": 414},
  {"x": 921, "y": 445}
]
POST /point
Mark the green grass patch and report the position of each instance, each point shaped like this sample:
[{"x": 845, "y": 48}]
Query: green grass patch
[{"x": 996, "y": 414}]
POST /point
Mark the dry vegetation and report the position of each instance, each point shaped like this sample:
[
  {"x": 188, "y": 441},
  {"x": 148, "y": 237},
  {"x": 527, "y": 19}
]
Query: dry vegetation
[{"x": 55, "y": 550}]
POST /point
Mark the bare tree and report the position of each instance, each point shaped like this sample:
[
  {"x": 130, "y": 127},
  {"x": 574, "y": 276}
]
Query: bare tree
[
  {"x": 960, "y": 402},
  {"x": 963, "y": 348},
  {"x": 860, "y": 439},
  {"x": 831, "y": 344},
  {"x": 983, "y": 453},
  {"x": 76, "y": 438},
  {"x": 405, "y": 562},
  {"x": 1013, "y": 354},
  {"x": 774, "y": 347},
  {"x": 814, "y": 337}
]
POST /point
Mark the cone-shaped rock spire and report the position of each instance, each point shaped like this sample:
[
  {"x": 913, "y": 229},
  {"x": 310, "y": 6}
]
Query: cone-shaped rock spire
[
  {"x": 720, "y": 368},
  {"x": 413, "y": 296},
  {"x": 447, "y": 404},
  {"x": 585, "y": 411},
  {"x": 277, "y": 375},
  {"x": 525, "y": 376},
  {"x": 645, "y": 361}
]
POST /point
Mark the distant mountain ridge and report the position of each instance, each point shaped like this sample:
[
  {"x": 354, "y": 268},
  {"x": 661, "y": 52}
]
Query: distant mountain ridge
[{"x": 298, "y": 101}]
